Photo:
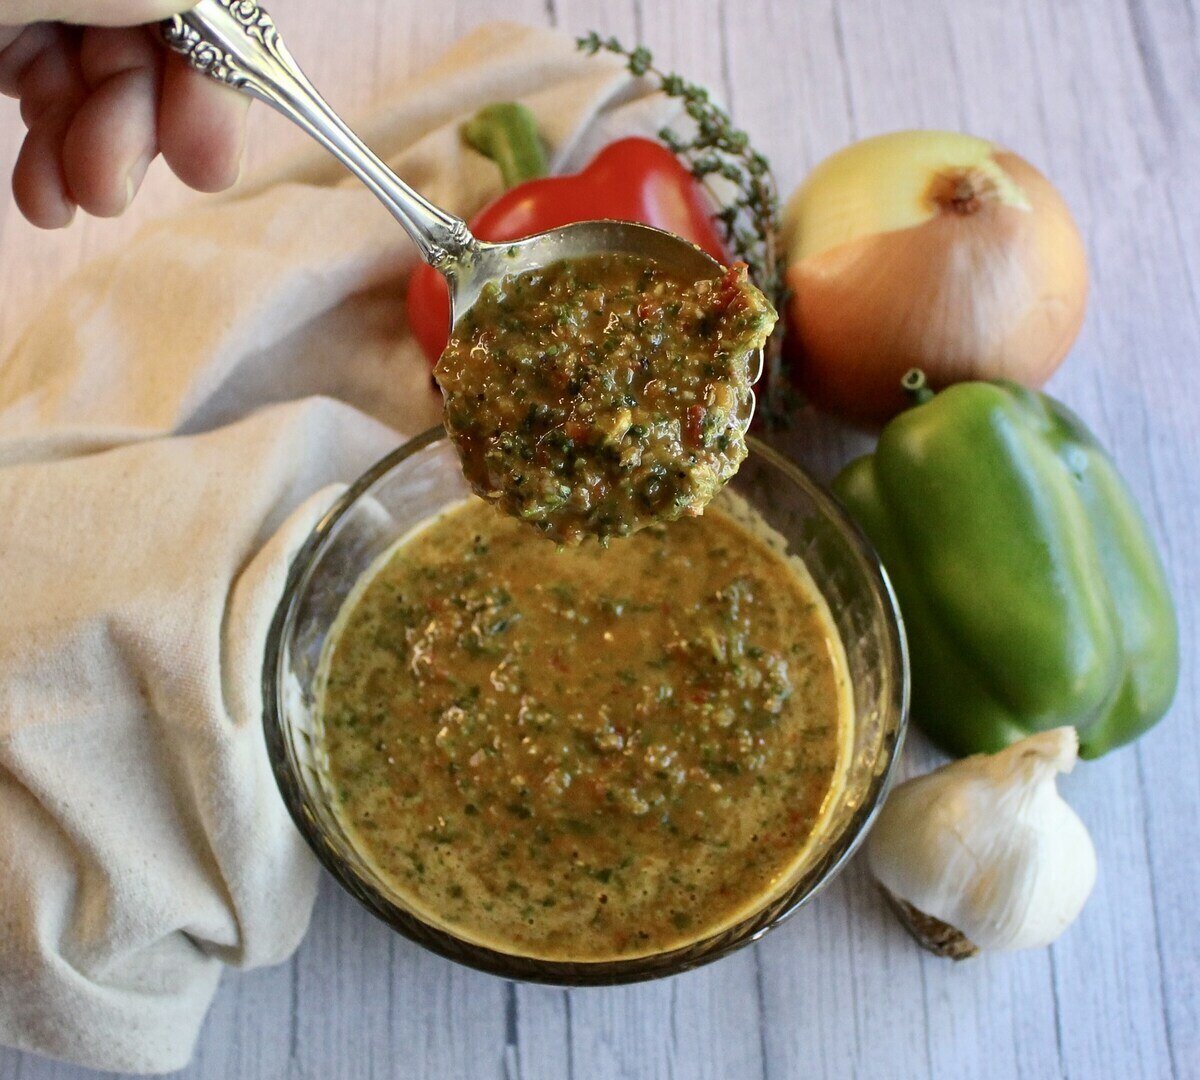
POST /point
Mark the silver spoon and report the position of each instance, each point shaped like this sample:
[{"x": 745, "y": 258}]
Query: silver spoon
[{"x": 236, "y": 42}]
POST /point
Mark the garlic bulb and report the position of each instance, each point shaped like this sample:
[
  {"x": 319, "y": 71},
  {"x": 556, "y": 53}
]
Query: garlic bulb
[{"x": 983, "y": 853}]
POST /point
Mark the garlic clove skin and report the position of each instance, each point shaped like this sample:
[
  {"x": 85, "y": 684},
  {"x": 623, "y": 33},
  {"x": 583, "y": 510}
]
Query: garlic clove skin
[
  {"x": 987, "y": 847},
  {"x": 936, "y": 936}
]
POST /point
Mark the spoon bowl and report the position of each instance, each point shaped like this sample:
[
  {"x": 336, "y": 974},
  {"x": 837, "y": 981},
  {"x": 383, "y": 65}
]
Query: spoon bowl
[
  {"x": 483, "y": 262},
  {"x": 486, "y": 262}
]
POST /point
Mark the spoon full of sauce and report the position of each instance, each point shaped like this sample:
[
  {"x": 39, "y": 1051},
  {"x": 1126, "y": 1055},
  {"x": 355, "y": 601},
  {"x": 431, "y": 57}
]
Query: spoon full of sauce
[{"x": 237, "y": 43}]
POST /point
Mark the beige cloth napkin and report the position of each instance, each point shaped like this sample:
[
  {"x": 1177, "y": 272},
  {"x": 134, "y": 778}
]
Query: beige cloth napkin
[{"x": 170, "y": 426}]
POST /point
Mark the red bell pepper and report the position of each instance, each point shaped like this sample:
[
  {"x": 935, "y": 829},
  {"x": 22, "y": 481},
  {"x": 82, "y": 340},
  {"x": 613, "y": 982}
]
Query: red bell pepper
[{"x": 632, "y": 179}]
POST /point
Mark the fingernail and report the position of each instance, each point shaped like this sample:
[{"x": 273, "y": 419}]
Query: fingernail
[{"x": 134, "y": 178}]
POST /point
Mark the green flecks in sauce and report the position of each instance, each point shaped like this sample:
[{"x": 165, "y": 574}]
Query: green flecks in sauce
[
  {"x": 582, "y": 753},
  {"x": 597, "y": 395}
]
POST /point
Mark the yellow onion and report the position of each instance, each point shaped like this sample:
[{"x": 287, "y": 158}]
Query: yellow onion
[{"x": 927, "y": 249}]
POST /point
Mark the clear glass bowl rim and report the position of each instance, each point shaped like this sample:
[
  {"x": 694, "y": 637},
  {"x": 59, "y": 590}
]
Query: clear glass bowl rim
[{"x": 554, "y": 972}]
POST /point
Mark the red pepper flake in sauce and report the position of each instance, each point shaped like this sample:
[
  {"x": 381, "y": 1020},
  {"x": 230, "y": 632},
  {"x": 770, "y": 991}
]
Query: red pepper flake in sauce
[
  {"x": 583, "y": 753},
  {"x": 597, "y": 395}
]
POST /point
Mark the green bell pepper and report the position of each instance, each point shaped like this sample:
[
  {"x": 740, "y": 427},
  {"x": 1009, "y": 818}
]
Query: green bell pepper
[{"x": 1031, "y": 591}]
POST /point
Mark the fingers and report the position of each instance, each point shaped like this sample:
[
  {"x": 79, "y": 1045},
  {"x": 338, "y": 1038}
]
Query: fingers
[
  {"x": 105, "y": 52},
  {"x": 52, "y": 88},
  {"x": 9, "y": 34},
  {"x": 39, "y": 186},
  {"x": 201, "y": 127},
  {"x": 112, "y": 138},
  {"x": 23, "y": 47},
  {"x": 92, "y": 12},
  {"x": 52, "y": 78},
  {"x": 99, "y": 104}
]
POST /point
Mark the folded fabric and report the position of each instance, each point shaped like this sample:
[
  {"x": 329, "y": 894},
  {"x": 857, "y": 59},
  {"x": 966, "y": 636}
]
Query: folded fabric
[{"x": 171, "y": 425}]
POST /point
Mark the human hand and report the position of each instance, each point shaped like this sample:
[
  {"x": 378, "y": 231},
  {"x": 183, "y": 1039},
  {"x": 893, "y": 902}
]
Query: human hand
[{"x": 101, "y": 98}]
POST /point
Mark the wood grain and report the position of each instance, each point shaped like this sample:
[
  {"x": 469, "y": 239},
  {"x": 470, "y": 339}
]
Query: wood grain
[{"x": 1105, "y": 97}]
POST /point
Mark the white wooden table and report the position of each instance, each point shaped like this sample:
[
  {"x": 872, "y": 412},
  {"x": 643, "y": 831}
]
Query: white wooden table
[{"x": 1105, "y": 96}]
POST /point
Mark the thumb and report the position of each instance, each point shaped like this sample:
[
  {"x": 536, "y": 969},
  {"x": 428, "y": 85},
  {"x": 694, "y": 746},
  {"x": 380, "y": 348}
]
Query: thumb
[{"x": 91, "y": 12}]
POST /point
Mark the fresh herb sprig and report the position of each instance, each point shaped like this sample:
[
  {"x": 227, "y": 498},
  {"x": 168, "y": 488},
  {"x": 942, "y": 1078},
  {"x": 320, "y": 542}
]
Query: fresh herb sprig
[{"x": 749, "y": 208}]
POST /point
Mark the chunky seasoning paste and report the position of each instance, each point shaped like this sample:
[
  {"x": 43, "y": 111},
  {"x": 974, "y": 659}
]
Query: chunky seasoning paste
[
  {"x": 583, "y": 753},
  {"x": 597, "y": 395}
]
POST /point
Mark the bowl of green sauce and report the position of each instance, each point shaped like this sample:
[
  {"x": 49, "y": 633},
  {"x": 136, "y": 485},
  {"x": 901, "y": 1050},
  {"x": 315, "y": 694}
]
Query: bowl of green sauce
[{"x": 590, "y": 764}]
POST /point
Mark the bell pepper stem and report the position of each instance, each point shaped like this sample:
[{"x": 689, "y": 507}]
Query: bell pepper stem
[
  {"x": 916, "y": 386},
  {"x": 507, "y": 133}
]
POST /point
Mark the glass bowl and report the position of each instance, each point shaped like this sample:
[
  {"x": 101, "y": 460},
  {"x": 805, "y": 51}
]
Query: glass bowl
[{"x": 421, "y": 479}]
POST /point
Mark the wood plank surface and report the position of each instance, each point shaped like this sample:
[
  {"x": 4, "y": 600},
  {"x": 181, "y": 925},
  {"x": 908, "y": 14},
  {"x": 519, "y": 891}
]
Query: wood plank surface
[{"x": 1104, "y": 95}]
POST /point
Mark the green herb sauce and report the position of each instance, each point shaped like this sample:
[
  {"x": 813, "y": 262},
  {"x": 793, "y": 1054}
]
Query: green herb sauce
[
  {"x": 597, "y": 395},
  {"x": 584, "y": 753}
]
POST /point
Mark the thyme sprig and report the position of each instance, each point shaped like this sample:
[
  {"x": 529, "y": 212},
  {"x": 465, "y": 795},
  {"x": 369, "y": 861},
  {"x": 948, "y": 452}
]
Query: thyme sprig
[{"x": 748, "y": 211}]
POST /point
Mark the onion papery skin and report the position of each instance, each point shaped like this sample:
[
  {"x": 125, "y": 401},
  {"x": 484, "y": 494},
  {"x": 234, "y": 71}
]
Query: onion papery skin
[{"x": 996, "y": 291}]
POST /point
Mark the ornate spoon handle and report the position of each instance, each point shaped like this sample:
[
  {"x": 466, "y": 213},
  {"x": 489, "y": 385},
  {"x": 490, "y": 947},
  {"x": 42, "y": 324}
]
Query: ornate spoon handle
[{"x": 236, "y": 42}]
